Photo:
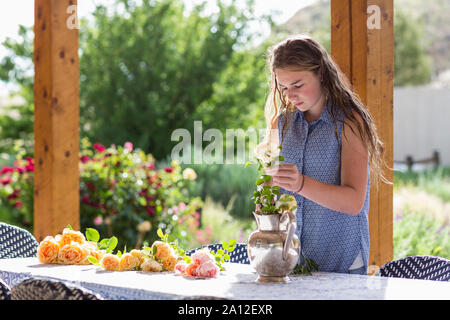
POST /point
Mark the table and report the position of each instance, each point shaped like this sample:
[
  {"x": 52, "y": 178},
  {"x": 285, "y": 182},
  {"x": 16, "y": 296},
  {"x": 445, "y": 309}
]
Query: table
[{"x": 236, "y": 283}]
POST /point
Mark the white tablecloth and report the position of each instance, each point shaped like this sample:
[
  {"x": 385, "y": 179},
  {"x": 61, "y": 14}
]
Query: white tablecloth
[{"x": 236, "y": 283}]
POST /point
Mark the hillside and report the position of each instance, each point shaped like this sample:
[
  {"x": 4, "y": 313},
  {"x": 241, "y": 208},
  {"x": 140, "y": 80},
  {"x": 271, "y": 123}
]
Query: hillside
[{"x": 435, "y": 15}]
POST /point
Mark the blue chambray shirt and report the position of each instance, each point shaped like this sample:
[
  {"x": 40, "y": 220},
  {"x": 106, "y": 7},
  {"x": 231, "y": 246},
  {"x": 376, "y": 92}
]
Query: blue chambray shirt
[{"x": 332, "y": 239}]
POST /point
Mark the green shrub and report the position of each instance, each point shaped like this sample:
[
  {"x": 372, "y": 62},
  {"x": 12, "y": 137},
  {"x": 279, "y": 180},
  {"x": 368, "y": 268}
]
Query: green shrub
[
  {"x": 433, "y": 181},
  {"x": 223, "y": 182},
  {"x": 417, "y": 233},
  {"x": 218, "y": 225}
]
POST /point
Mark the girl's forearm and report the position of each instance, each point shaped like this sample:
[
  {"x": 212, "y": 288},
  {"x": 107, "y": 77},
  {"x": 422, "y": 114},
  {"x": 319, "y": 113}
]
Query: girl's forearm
[{"x": 341, "y": 198}]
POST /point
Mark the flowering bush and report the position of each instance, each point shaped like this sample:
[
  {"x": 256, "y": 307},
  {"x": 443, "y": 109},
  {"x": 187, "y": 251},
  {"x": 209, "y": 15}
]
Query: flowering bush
[
  {"x": 121, "y": 193},
  {"x": 16, "y": 191}
]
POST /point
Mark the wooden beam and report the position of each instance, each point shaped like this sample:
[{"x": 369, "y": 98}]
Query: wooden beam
[
  {"x": 366, "y": 55},
  {"x": 56, "y": 119}
]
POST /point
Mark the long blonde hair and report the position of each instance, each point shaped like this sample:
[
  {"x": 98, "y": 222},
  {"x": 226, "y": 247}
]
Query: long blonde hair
[{"x": 302, "y": 53}]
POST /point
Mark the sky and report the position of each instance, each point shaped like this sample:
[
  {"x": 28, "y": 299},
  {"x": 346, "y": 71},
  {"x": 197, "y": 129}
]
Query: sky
[{"x": 21, "y": 12}]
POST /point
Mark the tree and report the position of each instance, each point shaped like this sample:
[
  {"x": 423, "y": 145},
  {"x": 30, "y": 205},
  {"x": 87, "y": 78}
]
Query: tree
[
  {"x": 17, "y": 69},
  {"x": 146, "y": 70},
  {"x": 412, "y": 66}
]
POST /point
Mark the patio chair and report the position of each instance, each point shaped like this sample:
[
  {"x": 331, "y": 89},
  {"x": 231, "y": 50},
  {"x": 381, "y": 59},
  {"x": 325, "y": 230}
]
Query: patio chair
[
  {"x": 45, "y": 289},
  {"x": 16, "y": 242},
  {"x": 238, "y": 255},
  {"x": 5, "y": 291},
  {"x": 417, "y": 267}
]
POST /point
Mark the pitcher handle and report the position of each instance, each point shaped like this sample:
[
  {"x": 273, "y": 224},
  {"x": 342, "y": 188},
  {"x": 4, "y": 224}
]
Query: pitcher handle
[{"x": 290, "y": 233}]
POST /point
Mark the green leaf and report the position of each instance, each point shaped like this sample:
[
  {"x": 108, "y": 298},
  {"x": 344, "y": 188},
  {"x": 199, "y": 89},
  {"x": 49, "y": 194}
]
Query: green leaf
[
  {"x": 248, "y": 163},
  {"x": 93, "y": 260},
  {"x": 224, "y": 244},
  {"x": 160, "y": 233},
  {"x": 280, "y": 158},
  {"x": 259, "y": 181},
  {"x": 92, "y": 235},
  {"x": 227, "y": 257},
  {"x": 69, "y": 226},
  {"x": 112, "y": 243},
  {"x": 232, "y": 242},
  {"x": 103, "y": 244},
  {"x": 267, "y": 178}
]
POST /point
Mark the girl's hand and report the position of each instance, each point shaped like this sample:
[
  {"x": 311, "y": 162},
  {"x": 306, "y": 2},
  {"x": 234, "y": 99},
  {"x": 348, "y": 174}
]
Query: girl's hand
[{"x": 286, "y": 176}]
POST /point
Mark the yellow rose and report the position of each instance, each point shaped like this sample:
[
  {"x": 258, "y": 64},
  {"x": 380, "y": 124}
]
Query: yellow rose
[
  {"x": 169, "y": 262},
  {"x": 70, "y": 235},
  {"x": 72, "y": 253},
  {"x": 128, "y": 262},
  {"x": 151, "y": 265},
  {"x": 138, "y": 254},
  {"x": 47, "y": 251},
  {"x": 110, "y": 262}
]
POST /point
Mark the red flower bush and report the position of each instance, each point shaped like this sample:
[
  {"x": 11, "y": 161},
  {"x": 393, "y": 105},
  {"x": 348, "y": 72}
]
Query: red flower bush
[{"x": 120, "y": 187}]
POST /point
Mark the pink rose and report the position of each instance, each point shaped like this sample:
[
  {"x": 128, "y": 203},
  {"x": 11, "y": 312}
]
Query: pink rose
[
  {"x": 180, "y": 267},
  {"x": 84, "y": 159},
  {"x": 6, "y": 170},
  {"x": 168, "y": 169},
  {"x": 129, "y": 146},
  {"x": 99, "y": 147},
  {"x": 207, "y": 269},
  {"x": 6, "y": 181},
  {"x": 98, "y": 220},
  {"x": 201, "y": 256}
]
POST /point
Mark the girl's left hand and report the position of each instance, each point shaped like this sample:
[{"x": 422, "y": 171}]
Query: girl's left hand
[{"x": 286, "y": 176}]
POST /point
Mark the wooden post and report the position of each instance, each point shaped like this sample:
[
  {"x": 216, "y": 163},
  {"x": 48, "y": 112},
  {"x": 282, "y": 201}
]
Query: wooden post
[
  {"x": 365, "y": 53},
  {"x": 56, "y": 119}
]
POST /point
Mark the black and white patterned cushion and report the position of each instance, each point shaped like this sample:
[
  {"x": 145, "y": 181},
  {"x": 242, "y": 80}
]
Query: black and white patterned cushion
[
  {"x": 5, "y": 291},
  {"x": 238, "y": 255},
  {"x": 45, "y": 289},
  {"x": 16, "y": 242},
  {"x": 417, "y": 267}
]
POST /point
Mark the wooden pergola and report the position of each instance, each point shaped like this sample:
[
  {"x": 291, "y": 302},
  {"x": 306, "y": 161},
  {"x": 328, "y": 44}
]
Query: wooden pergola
[{"x": 364, "y": 54}]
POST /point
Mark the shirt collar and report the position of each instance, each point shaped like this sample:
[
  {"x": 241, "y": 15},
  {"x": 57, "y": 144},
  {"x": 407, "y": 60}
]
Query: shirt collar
[{"x": 325, "y": 116}]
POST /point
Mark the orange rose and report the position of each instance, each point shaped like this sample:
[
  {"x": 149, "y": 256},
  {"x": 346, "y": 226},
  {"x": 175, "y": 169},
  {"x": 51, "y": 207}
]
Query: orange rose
[
  {"x": 70, "y": 235},
  {"x": 111, "y": 262},
  {"x": 128, "y": 262},
  {"x": 92, "y": 250},
  {"x": 98, "y": 254},
  {"x": 163, "y": 249},
  {"x": 169, "y": 262},
  {"x": 47, "y": 251},
  {"x": 72, "y": 253}
]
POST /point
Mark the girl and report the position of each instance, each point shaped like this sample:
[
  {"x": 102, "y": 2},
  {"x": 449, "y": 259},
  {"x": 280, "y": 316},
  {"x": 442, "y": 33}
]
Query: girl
[{"x": 330, "y": 144}]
